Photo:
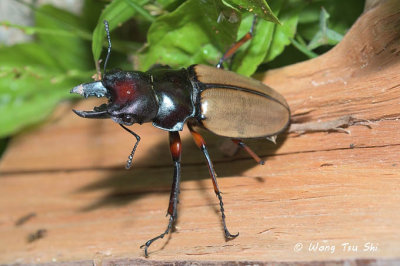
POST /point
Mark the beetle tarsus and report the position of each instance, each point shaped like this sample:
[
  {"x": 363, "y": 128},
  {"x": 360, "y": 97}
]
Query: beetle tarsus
[
  {"x": 228, "y": 235},
  {"x": 149, "y": 242}
]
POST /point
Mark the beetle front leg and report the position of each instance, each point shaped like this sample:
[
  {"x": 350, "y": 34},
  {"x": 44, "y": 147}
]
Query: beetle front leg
[
  {"x": 176, "y": 150},
  {"x": 198, "y": 139}
]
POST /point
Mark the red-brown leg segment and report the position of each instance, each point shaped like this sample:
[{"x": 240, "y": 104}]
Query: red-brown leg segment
[
  {"x": 175, "y": 145},
  {"x": 232, "y": 50},
  {"x": 198, "y": 139},
  {"x": 249, "y": 151}
]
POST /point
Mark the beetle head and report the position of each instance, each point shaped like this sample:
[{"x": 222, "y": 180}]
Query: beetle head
[{"x": 130, "y": 97}]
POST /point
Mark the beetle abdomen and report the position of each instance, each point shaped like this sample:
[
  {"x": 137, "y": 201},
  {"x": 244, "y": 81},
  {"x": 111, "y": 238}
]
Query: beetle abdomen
[{"x": 235, "y": 106}]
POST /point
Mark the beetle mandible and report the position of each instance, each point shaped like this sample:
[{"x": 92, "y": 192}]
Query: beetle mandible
[{"x": 223, "y": 102}]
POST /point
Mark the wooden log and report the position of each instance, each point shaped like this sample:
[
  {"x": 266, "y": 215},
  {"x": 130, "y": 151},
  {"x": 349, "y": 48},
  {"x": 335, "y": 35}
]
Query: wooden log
[{"x": 336, "y": 190}]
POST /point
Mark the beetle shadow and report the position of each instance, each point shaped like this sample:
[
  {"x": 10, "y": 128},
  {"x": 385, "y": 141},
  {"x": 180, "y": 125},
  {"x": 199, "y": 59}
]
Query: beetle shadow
[{"x": 126, "y": 186}]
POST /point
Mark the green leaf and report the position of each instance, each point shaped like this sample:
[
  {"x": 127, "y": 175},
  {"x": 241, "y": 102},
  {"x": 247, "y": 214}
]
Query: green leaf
[
  {"x": 310, "y": 14},
  {"x": 35, "y": 76},
  {"x": 27, "y": 54},
  {"x": 70, "y": 52},
  {"x": 325, "y": 35},
  {"x": 35, "y": 30},
  {"x": 91, "y": 11},
  {"x": 140, "y": 10},
  {"x": 282, "y": 36},
  {"x": 194, "y": 33},
  {"x": 342, "y": 13},
  {"x": 28, "y": 95},
  {"x": 60, "y": 17},
  {"x": 259, "y": 7},
  {"x": 165, "y": 3},
  {"x": 116, "y": 13},
  {"x": 303, "y": 48}
]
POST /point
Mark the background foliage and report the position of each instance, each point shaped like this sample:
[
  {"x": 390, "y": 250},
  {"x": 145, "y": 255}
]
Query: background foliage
[{"x": 35, "y": 76}]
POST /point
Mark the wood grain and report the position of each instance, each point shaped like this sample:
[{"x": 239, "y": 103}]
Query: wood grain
[{"x": 326, "y": 188}]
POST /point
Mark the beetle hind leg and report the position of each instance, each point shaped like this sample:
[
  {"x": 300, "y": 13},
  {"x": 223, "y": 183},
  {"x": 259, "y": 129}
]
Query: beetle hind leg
[
  {"x": 176, "y": 150},
  {"x": 198, "y": 139},
  {"x": 242, "y": 145}
]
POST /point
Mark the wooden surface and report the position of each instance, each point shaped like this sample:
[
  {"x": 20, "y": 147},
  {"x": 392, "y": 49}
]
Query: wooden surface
[{"x": 68, "y": 177}]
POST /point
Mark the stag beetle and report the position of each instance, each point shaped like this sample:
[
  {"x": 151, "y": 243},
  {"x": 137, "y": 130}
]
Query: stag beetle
[{"x": 223, "y": 102}]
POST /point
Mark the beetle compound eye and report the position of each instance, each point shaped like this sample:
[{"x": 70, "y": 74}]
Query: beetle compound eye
[{"x": 127, "y": 119}]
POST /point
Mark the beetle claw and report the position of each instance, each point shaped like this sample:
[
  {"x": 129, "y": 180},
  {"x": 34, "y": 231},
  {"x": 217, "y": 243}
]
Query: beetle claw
[
  {"x": 92, "y": 89},
  {"x": 92, "y": 114},
  {"x": 229, "y": 235}
]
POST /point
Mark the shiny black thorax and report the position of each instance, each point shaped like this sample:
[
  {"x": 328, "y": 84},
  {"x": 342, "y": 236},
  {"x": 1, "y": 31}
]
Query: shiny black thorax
[{"x": 175, "y": 96}]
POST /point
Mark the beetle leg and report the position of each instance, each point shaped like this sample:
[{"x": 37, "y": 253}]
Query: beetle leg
[
  {"x": 129, "y": 162},
  {"x": 241, "y": 144},
  {"x": 198, "y": 139},
  {"x": 176, "y": 150},
  {"x": 232, "y": 50}
]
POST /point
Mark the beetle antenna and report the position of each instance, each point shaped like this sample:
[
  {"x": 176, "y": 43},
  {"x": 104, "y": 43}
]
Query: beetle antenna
[
  {"x": 130, "y": 157},
  {"x": 109, "y": 45}
]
